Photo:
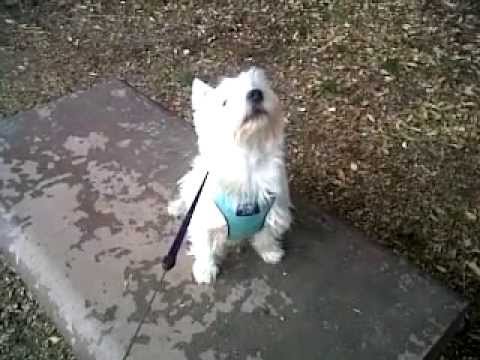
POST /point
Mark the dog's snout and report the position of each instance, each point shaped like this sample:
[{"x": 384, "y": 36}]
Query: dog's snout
[{"x": 255, "y": 96}]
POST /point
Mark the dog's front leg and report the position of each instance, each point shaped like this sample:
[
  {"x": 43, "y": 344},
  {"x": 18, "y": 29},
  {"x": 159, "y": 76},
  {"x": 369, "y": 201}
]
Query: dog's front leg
[
  {"x": 208, "y": 234},
  {"x": 267, "y": 241},
  {"x": 204, "y": 268},
  {"x": 267, "y": 246}
]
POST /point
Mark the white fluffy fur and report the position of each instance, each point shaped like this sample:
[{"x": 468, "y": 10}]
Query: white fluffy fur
[{"x": 243, "y": 153}]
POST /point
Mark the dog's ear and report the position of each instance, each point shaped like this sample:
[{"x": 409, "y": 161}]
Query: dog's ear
[{"x": 200, "y": 90}]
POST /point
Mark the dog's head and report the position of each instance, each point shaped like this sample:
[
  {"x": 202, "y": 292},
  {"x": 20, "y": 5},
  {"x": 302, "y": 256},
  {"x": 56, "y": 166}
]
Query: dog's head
[{"x": 241, "y": 110}]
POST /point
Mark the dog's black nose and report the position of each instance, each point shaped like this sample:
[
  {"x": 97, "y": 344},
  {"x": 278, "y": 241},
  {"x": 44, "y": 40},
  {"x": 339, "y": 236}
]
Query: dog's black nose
[{"x": 255, "y": 96}]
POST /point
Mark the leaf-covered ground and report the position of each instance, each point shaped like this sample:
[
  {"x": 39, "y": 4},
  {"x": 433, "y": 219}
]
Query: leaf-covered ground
[{"x": 382, "y": 100}]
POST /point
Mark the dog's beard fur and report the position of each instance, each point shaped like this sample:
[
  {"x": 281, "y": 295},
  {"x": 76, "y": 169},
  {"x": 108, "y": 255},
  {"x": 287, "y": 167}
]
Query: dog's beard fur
[
  {"x": 260, "y": 130},
  {"x": 260, "y": 136}
]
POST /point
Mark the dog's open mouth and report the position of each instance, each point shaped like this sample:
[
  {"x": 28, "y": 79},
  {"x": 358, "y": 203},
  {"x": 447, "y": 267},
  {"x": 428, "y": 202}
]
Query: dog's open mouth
[{"x": 256, "y": 114}]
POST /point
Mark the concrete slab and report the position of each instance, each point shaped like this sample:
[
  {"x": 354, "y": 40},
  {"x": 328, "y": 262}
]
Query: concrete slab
[{"x": 83, "y": 186}]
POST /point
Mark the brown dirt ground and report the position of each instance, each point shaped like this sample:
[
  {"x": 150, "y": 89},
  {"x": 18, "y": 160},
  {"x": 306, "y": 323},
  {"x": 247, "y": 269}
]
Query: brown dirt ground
[{"x": 382, "y": 100}]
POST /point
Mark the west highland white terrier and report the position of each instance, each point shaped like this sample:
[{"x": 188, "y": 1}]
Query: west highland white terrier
[{"x": 240, "y": 133}]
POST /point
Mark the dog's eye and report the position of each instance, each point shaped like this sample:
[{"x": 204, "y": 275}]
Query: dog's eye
[{"x": 224, "y": 102}]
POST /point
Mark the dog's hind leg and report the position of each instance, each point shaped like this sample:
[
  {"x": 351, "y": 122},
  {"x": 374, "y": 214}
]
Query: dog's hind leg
[
  {"x": 188, "y": 186},
  {"x": 176, "y": 207}
]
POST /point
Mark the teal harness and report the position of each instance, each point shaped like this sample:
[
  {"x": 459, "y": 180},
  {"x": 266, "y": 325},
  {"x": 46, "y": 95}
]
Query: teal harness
[{"x": 244, "y": 219}]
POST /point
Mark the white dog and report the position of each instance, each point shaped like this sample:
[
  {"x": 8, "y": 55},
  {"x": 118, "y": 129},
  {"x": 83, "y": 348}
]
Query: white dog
[{"x": 240, "y": 141}]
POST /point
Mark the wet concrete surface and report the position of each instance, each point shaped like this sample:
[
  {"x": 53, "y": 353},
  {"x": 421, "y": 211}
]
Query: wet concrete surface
[{"x": 84, "y": 183}]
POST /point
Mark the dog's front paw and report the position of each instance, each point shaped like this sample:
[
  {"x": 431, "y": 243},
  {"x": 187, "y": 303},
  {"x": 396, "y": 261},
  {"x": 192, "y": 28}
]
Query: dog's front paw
[
  {"x": 268, "y": 247},
  {"x": 272, "y": 256},
  {"x": 204, "y": 272}
]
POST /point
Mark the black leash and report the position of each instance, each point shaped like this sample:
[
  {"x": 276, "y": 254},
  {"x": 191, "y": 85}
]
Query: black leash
[
  {"x": 168, "y": 262},
  {"x": 171, "y": 258}
]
